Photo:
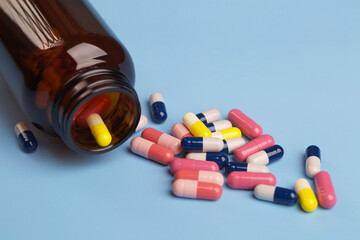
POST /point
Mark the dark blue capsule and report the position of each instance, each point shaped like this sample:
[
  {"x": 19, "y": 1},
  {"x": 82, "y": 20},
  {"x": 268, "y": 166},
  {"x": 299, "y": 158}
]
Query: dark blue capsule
[
  {"x": 199, "y": 144},
  {"x": 236, "y": 166},
  {"x": 202, "y": 117},
  {"x": 274, "y": 153},
  {"x": 313, "y": 151},
  {"x": 211, "y": 127},
  {"x": 26, "y": 138},
  {"x": 157, "y": 107},
  {"x": 221, "y": 159},
  {"x": 285, "y": 196}
]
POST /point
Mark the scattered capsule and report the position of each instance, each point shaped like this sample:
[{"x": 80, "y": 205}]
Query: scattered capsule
[
  {"x": 163, "y": 139},
  {"x": 250, "y": 128},
  {"x": 99, "y": 130},
  {"x": 313, "y": 162},
  {"x": 152, "y": 151},
  {"x": 266, "y": 156},
  {"x": 325, "y": 190},
  {"x": 157, "y": 107},
  {"x": 227, "y": 133},
  {"x": 209, "y": 116},
  {"x": 306, "y": 195},
  {"x": 201, "y": 176},
  {"x": 191, "y": 164},
  {"x": 249, "y": 180},
  {"x": 142, "y": 123},
  {"x": 245, "y": 167},
  {"x": 275, "y": 194},
  {"x": 231, "y": 144},
  {"x": 179, "y": 130},
  {"x": 221, "y": 159},
  {"x": 254, "y": 146},
  {"x": 199, "y": 144},
  {"x": 196, "y": 127},
  {"x": 26, "y": 138},
  {"x": 97, "y": 104},
  {"x": 195, "y": 189},
  {"x": 218, "y": 125}
]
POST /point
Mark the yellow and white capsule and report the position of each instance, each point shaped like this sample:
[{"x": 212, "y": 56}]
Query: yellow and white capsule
[
  {"x": 227, "y": 133},
  {"x": 306, "y": 195},
  {"x": 196, "y": 127},
  {"x": 99, "y": 130}
]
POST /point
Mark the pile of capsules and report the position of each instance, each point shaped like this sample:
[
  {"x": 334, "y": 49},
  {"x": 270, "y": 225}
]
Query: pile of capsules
[{"x": 208, "y": 141}]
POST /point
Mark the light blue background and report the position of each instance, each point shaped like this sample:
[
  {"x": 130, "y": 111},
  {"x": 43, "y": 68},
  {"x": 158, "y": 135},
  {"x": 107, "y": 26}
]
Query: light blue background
[{"x": 293, "y": 66}]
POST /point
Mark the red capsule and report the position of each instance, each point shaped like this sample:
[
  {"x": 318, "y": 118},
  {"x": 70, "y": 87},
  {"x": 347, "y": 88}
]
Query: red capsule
[
  {"x": 201, "y": 176},
  {"x": 162, "y": 139},
  {"x": 152, "y": 151},
  {"x": 194, "y": 189},
  {"x": 325, "y": 190},
  {"x": 254, "y": 146},
  {"x": 97, "y": 104},
  {"x": 247, "y": 126},
  {"x": 191, "y": 164},
  {"x": 249, "y": 180}
]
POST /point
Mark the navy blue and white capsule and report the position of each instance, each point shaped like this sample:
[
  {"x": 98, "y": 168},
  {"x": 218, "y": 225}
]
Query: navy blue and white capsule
[
  {"x": 26, "y": 138},
  {"x": 157, "y": 108},
  {"x": 266, "y": 156},
  {"x": 221, "y": 159},
  {"x": 245, "y": 167},
  {"x": 275, "y": 194},
  {"x": 231, "y": 144},
  {"x": 209, "y": 116},
  {"x": 218, "y": 125},
  {"x": 313, "y": 162},
  {"x": 199, "y": 144}
]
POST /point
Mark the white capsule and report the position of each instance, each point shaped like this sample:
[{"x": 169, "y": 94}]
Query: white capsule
[
  {"x": 260, "y": 158},
  {"x": 219, "y": 125},
  {"x": 142, "y": 123},
  {"x": 212, "y": 145},
  {"x": 233, "y": 143},
  {"x": 196, "y": 156},
  {"x": 209, "y": 116}
]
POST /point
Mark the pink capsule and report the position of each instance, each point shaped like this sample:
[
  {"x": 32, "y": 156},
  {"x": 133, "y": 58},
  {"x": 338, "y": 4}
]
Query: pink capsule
[
  {"x": 247, "y": 126},
  {"x": 254, "y": 146},
  {"x": 195, "y": 189},
  {"x": 249, "y": 180},
  {"x": 152, "y": 151},
  {"x": 201, "y": 176},
  {"x": 162, "y": 139},
  {"x": 179, "y": 130},
  {"x": 325, "y": 190},
  {"x": 191, "y": 164}
]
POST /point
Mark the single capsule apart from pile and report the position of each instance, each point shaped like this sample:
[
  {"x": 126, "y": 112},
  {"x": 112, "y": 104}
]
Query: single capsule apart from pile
[
  {"x": 248, "y": 126},
  {"x": 325, "y": 190},
  {"x": 99, "y": 130},
  {"x": 266, "y": 156},
  {"x": 275, "y": 194},
  {"x": 254, "y": 146},
  {"x": 219, "y": 125},
  {"x": 307, "y": 199},
  {"x": 201, "y": 176},
  {"x": 25, "y": 137},
  {"x": 157, "y": 108},
  {"x": 209, "y": 116},
  {"x": 233, "y": 132},
  {"x": 195, "y": 189},
  {"x": 221, "y": 159},
  {"x": 313, "y": 162},
  {"x": 200, "y": 144},
  {"x": 163, "y": 139},
  {"x": 245, "y": 167},
  {"x": 196, "y": 127}
]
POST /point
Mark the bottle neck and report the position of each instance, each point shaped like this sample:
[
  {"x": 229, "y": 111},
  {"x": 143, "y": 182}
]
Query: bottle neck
[{"x": 121, "y": 117}]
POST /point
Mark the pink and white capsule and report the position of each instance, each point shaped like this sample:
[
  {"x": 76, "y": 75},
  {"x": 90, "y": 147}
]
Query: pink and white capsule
[
  {"x": 163, "y": 139},
  {"x": 255, "y": 145},
  {"x": 191, "y": 164},
  {"x": 201, "y": 176},
  {"x": 179, "y": 130}
]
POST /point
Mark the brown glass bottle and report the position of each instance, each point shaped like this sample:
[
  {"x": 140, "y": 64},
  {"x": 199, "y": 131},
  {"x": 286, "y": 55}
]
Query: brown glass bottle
[{"x": 55, "y": 55}]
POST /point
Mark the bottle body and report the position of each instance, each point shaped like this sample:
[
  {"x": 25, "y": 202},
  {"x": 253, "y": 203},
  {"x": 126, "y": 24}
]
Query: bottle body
[{"x": 56, "y": 56}]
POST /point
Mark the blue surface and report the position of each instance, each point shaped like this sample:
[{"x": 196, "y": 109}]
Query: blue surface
[{"x": 291, "y": 66}]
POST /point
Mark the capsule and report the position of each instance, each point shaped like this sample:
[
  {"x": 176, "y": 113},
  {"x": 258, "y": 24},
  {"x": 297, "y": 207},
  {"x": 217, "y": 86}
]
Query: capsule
[
  {"x": 266, "y": 156},
  {"x": 227, "y": 133},
  {"x": 199, "y": 144},
  {"x": 221, "y": 159},
  {"x": 99, "y": 130},
  {"x": 245, "y": 167},
  {"x": 201, "y": 176},
  {"x": 179, "y": 130},
  {"x": 306, "y": 195},
  {"x": 26, "y": 138},
  {"x": 97, "y": 104},
  {"x": 163, "y": 139},
  {"x": 142, "y": 123},
  {"x": 249, "y": 128},
  {"x": 249, "y": 180},
  {"x": 196, "y": 127},
  {"x": 325, "y": 190},
  {"x": 231, "y": 144},
  {"x": 152, "y": 151},
  {"x": 157, "y": 107},
  {"x": 275, "y": 194},
  {"x": 209, "y": 116},
  {"x": 218, "y": 125},
  {"x": 191, "y": 164},
  {"x": 195, "y": 189},
  {"x": 254, "y": 146},
  {"x": 313, "y": 162}
]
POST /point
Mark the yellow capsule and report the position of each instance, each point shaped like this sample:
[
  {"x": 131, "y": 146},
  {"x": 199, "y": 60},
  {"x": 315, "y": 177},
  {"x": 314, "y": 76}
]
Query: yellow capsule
[
  {"x": 306, "y": 195},
  {"x": 99, "y": 130},
  {"x": 196, "y": 127},
  {"x": 227, "y": 133}
]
